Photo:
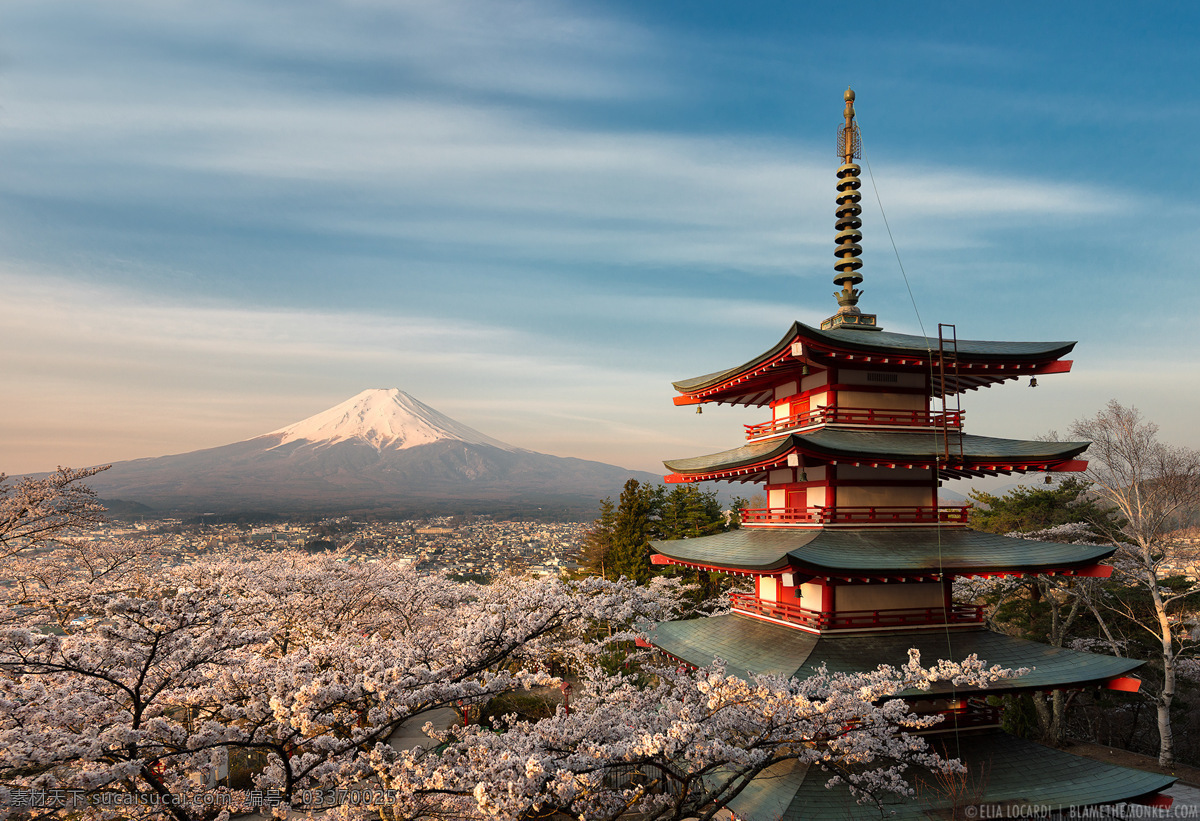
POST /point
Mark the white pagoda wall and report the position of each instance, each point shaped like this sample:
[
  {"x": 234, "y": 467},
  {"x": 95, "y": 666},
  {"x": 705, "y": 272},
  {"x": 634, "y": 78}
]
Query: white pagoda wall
[
  {"x": 889, "y": 401},
  {"x": 888, "y": 596}
]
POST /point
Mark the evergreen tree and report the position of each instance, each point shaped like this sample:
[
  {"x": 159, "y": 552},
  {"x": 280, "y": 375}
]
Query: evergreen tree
[
  {"x": 598, "y": 542},
  {"x": 619, "y": 542},
  {"x": 1024, "y": 509},
  {"x": 633, "y": 528},
  {"x": 688, "y": 512},
  {"x": 1042, "y": 608},
  {"x": 735, "y": 513}
]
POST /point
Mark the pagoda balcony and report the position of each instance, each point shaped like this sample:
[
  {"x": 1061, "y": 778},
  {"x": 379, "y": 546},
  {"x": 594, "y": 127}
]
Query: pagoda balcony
[
  {"x": 966, "y": 714},
  {"x": 859, "y": 417},
  {"x": 818, "y": 516},
  {"x": 750, "y": 605}
]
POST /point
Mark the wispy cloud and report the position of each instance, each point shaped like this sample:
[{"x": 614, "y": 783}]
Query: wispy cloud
[
  {"x": 218, "y": 217},
  {"x": 80, "y": 359}
]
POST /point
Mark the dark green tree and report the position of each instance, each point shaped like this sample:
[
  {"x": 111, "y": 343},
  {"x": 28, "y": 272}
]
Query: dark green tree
[
  {"x": 1042, "y": 608},
  {"x": 1025, "y": 509},
  {"x": 595, "y": 556},
  {"x": 735, "y": 512},
  {"x": 687, "y": 512},
  {"x": 619, "y": 542},
  {"x": 633, "y": 528}
]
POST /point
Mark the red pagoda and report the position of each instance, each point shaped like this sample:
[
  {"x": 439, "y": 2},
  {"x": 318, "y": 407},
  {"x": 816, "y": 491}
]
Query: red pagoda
[{"x": 853, "y": 558}]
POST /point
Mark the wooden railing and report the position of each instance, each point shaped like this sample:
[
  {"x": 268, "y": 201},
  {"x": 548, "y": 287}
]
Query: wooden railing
[
  {"x": 780, "y": 515},
  {"x": 867, "y": 417},
  {"x": 978, "y": 713},
  {"x": 851, "y": 619},
  {"x": 870, "y": 515}
]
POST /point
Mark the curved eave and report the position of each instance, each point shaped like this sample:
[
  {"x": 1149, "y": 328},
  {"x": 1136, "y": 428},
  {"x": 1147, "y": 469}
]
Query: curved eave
[
  {"x": 878, "y": 553},
  {"x": 976, "y": 350},
  {"x": 981, "y": 363},
  {"x": 981, "y": 455},
  {"x": 751, "y": 459},
  {"x": 750, "y": 647},
  {"x": 1010, "y": 777},
  {"x": 770, "y": 358}
]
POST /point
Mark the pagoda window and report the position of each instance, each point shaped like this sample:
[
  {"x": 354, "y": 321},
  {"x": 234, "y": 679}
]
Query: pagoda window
[
  {"x": 849, "y": 474},
  {"x": 890, "y": 401},
  {"x": 890, "y": 596},
  {"x": 897, "y": 380},
  {"x": 851, "y": 496}
]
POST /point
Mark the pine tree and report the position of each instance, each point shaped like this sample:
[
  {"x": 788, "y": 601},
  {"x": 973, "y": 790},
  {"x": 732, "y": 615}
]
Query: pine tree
[
  {"x": 734, "y": 521},
  {"x": 598, "y": 542},
  {"x": 688, "y": 512},
  {"x": 632, "y": 530},
  {"x": 1024, "y": 509}
]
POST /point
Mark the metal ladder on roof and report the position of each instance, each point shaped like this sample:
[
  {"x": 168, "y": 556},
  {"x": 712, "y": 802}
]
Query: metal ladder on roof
[{"x": 947, "y": 370}]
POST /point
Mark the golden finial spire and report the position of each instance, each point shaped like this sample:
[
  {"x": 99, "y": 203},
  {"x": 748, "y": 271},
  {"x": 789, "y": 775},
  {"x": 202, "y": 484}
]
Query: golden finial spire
[
  {"x": 850, "y": 145},
  {"x": 848, "y": 225}
]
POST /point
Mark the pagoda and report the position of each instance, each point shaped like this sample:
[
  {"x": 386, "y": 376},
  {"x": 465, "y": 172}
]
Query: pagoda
[{"x": 853, "y": 559}]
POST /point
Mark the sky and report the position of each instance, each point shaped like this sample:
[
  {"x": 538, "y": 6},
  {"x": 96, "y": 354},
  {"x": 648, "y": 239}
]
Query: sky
[{"x": 220, "y": 218}]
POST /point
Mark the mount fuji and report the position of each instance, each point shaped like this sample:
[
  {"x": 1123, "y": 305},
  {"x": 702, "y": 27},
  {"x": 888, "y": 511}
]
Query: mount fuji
[{"x": 382, "y": 451}]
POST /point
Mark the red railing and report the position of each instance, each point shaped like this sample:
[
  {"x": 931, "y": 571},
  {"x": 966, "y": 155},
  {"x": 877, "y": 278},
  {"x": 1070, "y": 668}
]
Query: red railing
[
  {"x": 850, "y": 619},
  {"x": 872, "y": 417},
  {"x": 977, "y": 713},
  {"x": 877, "y": 515},
  {"x": 780, "y": 515}
]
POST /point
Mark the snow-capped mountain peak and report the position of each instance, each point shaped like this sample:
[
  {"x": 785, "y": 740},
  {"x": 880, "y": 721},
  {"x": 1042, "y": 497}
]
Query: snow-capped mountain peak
[{"x": 387, "y": 419}]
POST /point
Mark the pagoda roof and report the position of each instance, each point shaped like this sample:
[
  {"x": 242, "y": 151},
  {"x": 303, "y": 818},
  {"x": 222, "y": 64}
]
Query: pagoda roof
[
  {"x": 981, "y": 363},
  {"x": 982, "y": 455},
  {"x": 752, "y": 647},
  {"x": 878, "y": 551},
  {"x": 1002, "y": 769}
]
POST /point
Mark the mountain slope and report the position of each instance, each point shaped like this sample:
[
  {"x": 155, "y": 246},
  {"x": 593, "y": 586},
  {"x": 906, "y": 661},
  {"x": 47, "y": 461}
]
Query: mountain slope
[
  {"x": 381, "y": 450},
  {"x": 385, "y": 418}
]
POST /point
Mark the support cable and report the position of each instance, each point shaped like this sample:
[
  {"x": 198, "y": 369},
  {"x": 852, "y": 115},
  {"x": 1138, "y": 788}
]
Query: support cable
[{"x": 947, "y": 609}]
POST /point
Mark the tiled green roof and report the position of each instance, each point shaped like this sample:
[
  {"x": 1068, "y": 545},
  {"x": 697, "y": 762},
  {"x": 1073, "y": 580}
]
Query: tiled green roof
[
  {"x": 885, "y": 342},
  {"x": 1002, "y": 770},
  {"x": 878, "y": 551},
  {"x": 745, "y": 549},
  {"x": 745, "y": 455},
  {"x": 749, "y": 647},
  {"x": 858, "y": 445}
]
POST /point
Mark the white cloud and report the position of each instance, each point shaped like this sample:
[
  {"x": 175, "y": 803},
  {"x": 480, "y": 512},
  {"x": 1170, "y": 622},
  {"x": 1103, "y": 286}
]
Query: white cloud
[
  {"x": 98, "y": 374},
  {"x": 444, "y": 124}
]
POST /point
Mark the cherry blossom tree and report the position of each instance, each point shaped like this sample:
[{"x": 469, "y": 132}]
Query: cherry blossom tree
[
  {"x": 154, "y": 689},
  {"x": 36, "y": 511},
  {"x": 681, "y": 746},
  {"x": 123, "y": 676},
  {"x": 1042, "y": 608}
]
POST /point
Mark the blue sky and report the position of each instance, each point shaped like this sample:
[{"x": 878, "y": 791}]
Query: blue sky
[{"x": 219, "y": 218}]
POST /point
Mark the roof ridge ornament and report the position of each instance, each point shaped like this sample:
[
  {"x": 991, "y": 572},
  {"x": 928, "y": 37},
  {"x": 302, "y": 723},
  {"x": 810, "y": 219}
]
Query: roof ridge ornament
[{"x": 848, "y": 225}]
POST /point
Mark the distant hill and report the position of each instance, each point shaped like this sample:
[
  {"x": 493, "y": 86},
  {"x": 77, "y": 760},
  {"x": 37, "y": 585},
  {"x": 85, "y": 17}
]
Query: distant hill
[
  {"x": 381, "y": 452},
  {"x": 950, "y": 497}
]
